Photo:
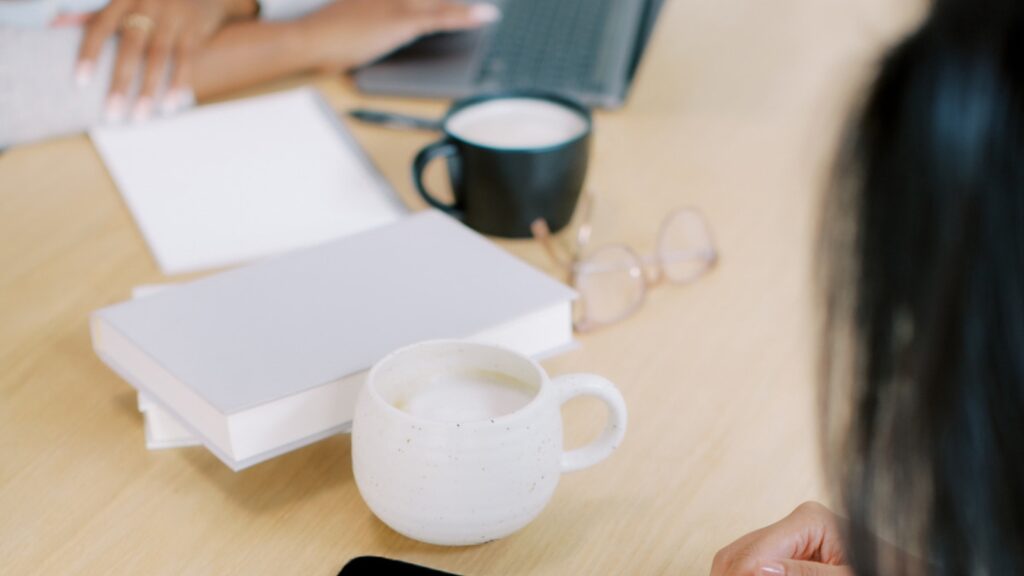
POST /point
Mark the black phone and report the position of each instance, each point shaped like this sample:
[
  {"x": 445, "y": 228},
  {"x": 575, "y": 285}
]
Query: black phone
[{"x": 373, "y": 565}]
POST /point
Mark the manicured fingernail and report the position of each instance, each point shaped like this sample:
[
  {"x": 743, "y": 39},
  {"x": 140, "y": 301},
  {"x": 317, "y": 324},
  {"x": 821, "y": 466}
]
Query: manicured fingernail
[
  {"x": 83, "y": 73},
  {"x": 115, "y": 110},
  {"x": 143, "y": 108},
  {"x": 485, "y": 13},
  {"x": 169, "y": 103},
  {"x": 771, "y": 569},
  {"x": 186, "y": 98}
]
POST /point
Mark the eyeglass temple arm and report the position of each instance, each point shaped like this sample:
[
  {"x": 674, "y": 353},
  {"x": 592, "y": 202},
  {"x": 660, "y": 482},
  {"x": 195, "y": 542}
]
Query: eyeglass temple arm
[
  {"x": 542, "y": 233},
  {"x": 583, "y": 231}
]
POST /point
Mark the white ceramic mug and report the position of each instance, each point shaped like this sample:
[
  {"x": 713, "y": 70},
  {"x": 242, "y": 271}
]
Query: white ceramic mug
[{"x": 438, "y": 459}]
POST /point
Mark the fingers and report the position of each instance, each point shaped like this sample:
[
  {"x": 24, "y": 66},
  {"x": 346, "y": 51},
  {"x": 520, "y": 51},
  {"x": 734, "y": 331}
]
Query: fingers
[
  {"x": 809, "y": 533},
  {"x": 446, "y": 16},
  {"x": 801, "y": 568},
  {"x": 179, "y": 94},
  {"x": 71, "y": 19},
  {"x": 99, "y": 29},
  {"x": 157, "y": 60},
  {"x": 748, "y": 566},
  {"x": 136, "y": 31},
  {"x": 821, "y": 533}
]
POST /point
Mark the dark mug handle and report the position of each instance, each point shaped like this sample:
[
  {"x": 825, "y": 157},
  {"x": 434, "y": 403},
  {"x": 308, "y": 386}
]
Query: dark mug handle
[{"x": 442, "y": 148}]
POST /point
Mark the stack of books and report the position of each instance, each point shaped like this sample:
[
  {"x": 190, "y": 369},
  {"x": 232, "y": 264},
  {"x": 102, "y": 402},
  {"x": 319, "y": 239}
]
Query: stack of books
[{"x": 261, "y": 360}]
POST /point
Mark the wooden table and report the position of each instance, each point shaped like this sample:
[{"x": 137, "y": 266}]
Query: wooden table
[{"x": 736, "y": 110}]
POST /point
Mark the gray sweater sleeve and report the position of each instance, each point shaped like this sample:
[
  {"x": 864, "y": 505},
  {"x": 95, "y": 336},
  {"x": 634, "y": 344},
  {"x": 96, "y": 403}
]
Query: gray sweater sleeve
[{"x": 38, "y": 95}]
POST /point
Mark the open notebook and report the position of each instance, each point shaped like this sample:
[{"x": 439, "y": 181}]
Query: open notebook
[{"x": 228, "y": 183}]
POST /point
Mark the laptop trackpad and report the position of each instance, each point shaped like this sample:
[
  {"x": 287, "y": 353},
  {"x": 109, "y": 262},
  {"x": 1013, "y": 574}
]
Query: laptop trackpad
[{"x": 442, "y": 60}]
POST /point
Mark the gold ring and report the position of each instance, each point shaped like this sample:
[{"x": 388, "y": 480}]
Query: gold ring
[{"x": 140, "y": 22}]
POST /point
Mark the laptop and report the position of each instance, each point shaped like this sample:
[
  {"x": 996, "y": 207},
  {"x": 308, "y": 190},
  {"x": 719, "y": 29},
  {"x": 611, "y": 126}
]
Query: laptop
[{"x": 587, "y": 49}]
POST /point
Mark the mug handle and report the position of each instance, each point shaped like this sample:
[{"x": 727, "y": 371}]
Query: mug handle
[
  {"x": 445, "y": 148},
  {"x": 573, "y": 385}
]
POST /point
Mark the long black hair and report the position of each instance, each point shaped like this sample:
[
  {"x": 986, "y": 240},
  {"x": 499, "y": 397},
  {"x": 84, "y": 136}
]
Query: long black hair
[{"x": 923, "y": 254}]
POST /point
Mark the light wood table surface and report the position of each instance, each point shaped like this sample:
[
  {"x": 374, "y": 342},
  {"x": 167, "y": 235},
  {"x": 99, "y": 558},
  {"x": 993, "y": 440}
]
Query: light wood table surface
[{"x": 736, "y": 110}]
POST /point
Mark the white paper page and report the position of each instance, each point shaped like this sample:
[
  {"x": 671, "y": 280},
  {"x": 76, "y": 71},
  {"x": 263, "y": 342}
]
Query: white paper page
[
  {"x": 228, "y": 183},
  {"x": 163, "y": 430}
]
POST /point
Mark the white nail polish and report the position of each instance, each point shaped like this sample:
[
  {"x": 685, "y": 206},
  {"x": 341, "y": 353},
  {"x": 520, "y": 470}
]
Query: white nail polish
[
  {"x": 143, "y": 108},
  {"x": 186, "y": 99},
  {"x": 115, "y": 110},
  {"x": 169, "y": 103},
  {"x": 485, "y": 13},
  {"x": 83, "y": 74}
]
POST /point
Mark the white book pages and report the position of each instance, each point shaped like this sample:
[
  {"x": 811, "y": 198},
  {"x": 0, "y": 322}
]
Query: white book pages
[{"x": 163, "y": 430}]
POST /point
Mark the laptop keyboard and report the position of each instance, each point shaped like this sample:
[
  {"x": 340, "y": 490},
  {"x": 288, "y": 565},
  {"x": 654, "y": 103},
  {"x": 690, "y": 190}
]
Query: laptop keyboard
[{"x": 548, "y": 44}]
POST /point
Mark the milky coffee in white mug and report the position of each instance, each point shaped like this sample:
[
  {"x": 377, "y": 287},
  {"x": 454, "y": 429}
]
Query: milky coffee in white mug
[
  {"x": 457, "y": 443},
  {"x": 512, "y": 157}
]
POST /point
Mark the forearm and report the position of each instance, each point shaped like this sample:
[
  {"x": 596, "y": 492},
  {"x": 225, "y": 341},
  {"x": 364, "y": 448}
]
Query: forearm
[
  {"x": 338, "y": 36},
  {"x": 248, "y": 53}
]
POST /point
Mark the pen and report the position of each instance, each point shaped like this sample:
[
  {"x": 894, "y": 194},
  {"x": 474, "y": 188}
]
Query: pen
[{"x": 393, "y": 120}]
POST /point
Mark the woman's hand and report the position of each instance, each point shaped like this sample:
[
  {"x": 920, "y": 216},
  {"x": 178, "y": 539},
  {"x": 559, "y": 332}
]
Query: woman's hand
[
  {"x": 154, "y": 32},
  {"x": 805, "y": 543},
  {"x": 349, "y": 33}
]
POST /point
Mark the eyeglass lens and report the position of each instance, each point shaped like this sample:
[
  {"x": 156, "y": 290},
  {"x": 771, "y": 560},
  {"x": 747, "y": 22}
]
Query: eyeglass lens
[
  {"x": 611, "y": 285},
  {"x": 685, "y": 247}
]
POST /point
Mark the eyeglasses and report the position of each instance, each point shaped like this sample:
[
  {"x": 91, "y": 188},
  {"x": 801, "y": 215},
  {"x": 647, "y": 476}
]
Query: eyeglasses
[{"x": 613, "y": 280}]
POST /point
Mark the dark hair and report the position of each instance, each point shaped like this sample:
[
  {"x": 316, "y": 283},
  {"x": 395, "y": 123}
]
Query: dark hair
[{"x": 923, "y": 359}]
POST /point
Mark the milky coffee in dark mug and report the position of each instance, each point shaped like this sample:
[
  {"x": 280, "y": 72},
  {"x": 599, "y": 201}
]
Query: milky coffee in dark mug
[{"x": 513, "y": 157}]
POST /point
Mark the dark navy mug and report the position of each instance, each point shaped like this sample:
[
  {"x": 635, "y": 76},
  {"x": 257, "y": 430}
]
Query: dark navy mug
[{"x": 513, "y": 157}]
